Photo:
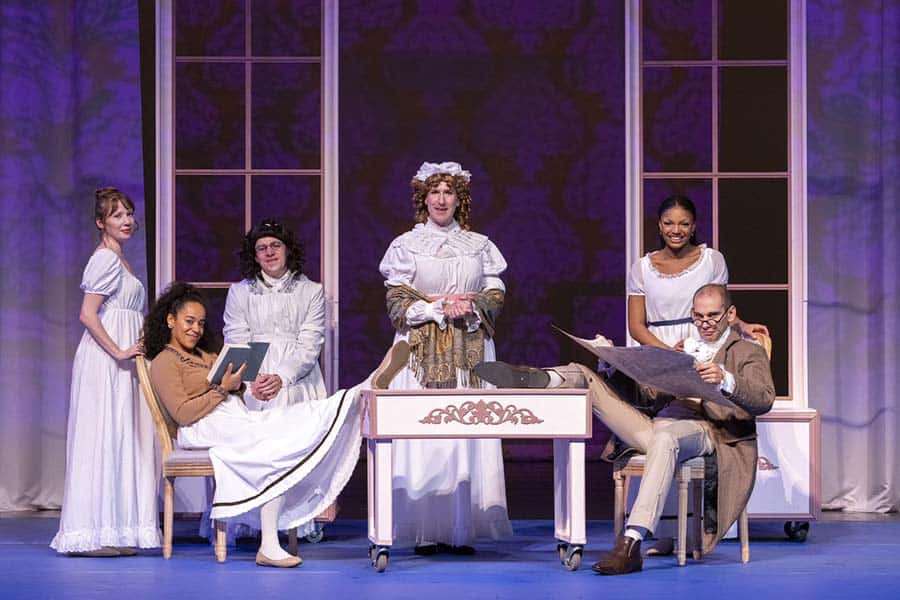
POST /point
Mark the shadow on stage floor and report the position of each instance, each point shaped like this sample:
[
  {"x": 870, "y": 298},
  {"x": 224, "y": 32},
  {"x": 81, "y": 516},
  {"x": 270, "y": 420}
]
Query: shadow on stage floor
[{"x": 840, "y": 559}]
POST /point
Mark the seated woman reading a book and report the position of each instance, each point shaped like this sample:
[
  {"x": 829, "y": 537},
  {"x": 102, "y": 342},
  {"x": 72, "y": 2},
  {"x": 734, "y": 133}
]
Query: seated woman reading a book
[{"x": 289, "y": 462}]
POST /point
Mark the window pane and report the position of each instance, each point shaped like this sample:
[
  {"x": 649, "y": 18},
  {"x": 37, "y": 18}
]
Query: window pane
[
  {"x": 209, "y": 116},
  {"x": 209, "y": 226},
  {"x": 287, "y": 122},
  {"x": 756, "y": 30},
  {"x": 215, "y": 310},
  {"x": 657, "y": 190},
  {"x": 286, "y": 27},
  {"x": 209, "y": 27},
  {"x": 753, "y": 119},
  {"x": 294, "y": 200},
  {"x": 753, "y": 229},
  {"x": 677, "y": 30},
  {"x": 677, "y": 119},
  {"x": 769, "y": 307}
]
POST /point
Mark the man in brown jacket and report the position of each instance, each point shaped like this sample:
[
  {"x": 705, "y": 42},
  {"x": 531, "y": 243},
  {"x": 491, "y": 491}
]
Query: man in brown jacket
[{"x": 683, "y": 429}]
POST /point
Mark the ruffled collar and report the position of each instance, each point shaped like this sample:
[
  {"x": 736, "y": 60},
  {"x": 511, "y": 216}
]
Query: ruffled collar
[
  {"x": 264, "y": 284},
  {"x": 433, "y": 227},
  {"x": 691, "y": 267}
]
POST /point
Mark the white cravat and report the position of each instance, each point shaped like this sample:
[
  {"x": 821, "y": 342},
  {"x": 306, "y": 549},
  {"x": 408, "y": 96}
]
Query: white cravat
[{"x": 704, "y": 351}]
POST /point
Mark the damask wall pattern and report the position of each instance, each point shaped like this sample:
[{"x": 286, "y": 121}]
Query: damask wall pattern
[{"x": 529, "y": 97}]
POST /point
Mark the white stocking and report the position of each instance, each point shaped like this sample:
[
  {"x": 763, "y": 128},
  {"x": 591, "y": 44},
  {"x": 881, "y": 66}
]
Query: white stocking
[{"x": 268, "y": 516}]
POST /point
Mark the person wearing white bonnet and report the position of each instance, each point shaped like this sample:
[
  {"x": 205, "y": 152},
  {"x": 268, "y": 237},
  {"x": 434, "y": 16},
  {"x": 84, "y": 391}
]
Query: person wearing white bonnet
[{"x": 444, "y": 293}]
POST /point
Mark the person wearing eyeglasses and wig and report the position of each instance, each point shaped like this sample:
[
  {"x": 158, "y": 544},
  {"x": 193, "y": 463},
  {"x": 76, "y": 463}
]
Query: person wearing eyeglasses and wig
[
  {"x": 683, "y": 428},
  {"x": 278, "y": 304}
]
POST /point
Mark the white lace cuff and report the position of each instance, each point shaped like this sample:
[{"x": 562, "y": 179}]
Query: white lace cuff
[{"x": 726, "y": 386}]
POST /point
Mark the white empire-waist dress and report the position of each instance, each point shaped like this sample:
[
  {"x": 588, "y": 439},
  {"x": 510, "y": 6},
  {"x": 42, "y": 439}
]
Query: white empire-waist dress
[
  {"x": 448, "y": 491},
  {"x": 111, "y": 473}
]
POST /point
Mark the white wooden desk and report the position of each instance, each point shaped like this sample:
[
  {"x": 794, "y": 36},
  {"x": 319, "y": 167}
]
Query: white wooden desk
[{"x": 561, "y": 415}]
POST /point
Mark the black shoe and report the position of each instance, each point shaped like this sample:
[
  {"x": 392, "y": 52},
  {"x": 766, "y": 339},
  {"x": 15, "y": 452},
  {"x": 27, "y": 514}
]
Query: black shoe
[
  {"x": 504, "y": 375},
  {"x": 624, "y": 558},
  {"x": 457, "y": 550},
  {"x": 426, "y": 550}
]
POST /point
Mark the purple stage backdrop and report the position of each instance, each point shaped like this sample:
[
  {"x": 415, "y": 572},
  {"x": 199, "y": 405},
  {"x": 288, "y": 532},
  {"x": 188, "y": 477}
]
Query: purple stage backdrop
[
  {"x": 70, "y": 121},
  {"x": 529, "y": 96}
]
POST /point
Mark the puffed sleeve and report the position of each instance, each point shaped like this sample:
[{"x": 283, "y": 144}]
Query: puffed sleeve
[
  {"x": 492, "y": 265},
  {"x": 635, "y": 285},
  {"x": 398, "y": 267},
  {"x": 103, "y": 273},
  {"x": 719, "y": 268},
  {"x": 304, "y": 353},
  {"x": 236, "y": 329}
]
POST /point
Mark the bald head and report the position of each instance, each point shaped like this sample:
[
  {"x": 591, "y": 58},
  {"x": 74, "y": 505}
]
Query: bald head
[{"x": 714, "y": 290}]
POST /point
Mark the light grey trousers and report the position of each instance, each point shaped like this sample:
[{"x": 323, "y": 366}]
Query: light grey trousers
[{"x": 666, "y": 442}]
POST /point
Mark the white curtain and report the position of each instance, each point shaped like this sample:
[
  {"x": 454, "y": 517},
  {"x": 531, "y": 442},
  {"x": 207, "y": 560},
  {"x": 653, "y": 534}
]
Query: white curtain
[{"x": 854, "y": 216}]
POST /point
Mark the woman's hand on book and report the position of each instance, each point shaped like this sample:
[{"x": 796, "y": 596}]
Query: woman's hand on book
[{"x": 231, "y": 380}]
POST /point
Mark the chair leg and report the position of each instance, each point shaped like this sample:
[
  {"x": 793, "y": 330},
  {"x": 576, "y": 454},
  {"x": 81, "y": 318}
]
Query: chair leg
[
  {"x": 697, "y": 494},
  {"x": 681, "y": 549},
  {"x": 618, "y": 504},
  {"x": 221, "y": 548},
  {"x": 744, "y": 535},
  {"x": 292, "y": 541},
  {"x": 168, "y": 515}
]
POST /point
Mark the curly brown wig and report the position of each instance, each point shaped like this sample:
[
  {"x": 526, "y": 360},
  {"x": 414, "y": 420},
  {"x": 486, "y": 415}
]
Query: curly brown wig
[
  {"x": 294, "y": 259},
  {"x": 156, "y": 328},
  {"x": 458, "y": 183}
]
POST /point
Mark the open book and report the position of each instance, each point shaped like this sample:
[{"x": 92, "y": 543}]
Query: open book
[
  {"x": 252, "y": 353},
  {"x": 668, "y": 371}
]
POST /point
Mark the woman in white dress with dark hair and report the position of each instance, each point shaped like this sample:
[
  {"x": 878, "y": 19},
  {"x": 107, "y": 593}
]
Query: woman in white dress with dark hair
[
  {"x": 444, "y": 294},
  {"x": 110, "y": 499}
]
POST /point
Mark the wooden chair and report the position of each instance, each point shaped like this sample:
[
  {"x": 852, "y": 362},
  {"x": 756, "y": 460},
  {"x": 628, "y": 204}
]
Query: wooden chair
[
  {"x": 689, "y": 474},
  {"x": 177, "y": 462}
]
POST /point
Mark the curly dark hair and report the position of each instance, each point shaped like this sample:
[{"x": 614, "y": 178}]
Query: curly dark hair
[
  {"x": 463, "y": 212},
  {"x": 296, "y": 255},
  {"x": 156, "y": 329}
]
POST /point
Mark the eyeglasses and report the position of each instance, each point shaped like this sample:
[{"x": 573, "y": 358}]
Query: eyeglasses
[
  {"x": 712, "y": 322},
  {"x": 275, "y": 246}
]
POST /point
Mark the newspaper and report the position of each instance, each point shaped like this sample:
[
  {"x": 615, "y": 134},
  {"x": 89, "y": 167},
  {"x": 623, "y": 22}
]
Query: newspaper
[{"x": 666, "y": 370}]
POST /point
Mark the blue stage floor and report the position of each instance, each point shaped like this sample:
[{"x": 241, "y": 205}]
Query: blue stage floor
[{"x": 841, "y": 559}]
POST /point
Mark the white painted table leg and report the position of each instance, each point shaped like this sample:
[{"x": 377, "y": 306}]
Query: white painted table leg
[
  {"x": 380, "y": 492},
  {"x": 569, "y": 491}
]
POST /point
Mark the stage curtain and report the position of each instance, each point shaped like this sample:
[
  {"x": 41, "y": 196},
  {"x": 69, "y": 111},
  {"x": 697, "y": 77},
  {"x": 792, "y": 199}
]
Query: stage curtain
[
  {"x": 854, "y": 215},
  {"x": 70, "y": 121}
]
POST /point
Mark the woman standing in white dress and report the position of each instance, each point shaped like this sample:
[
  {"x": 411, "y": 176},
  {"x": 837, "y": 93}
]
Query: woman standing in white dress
[
  {"x": 278, "y": 304},
  {"x": 444, "y": 293},
  {"x": 109, "y": 507},
  {"x": 661, "y": 288}
]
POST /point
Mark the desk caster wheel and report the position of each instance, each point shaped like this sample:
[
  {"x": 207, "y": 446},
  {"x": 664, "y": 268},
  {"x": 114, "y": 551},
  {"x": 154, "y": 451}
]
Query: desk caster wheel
[
  {"x": 796, "y": 531},
  {"x": 317, "y": 535},
  {"x": 379, "y": 556},
  {"x": 570, "y": 555}
]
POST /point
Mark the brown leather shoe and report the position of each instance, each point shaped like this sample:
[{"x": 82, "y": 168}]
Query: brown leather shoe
[
  {"x": 504, "y": 375},
  {"x": 395, "y": 359},
  {"x": 624, "y": 558}
]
